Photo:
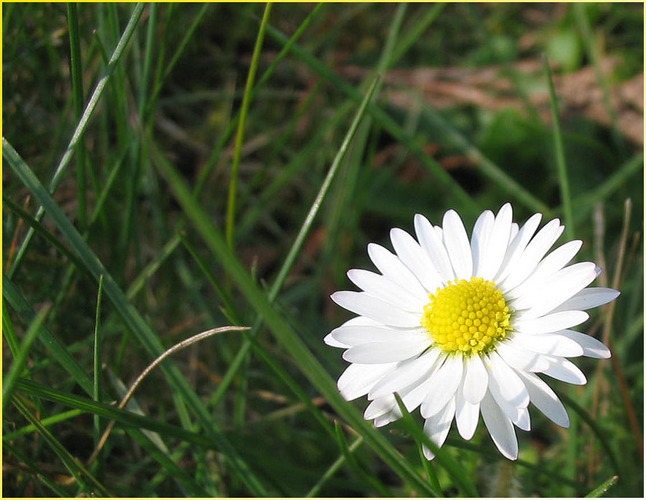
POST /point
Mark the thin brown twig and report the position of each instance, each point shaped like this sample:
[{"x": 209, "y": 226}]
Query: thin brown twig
[{"x": 177, "y": 347}]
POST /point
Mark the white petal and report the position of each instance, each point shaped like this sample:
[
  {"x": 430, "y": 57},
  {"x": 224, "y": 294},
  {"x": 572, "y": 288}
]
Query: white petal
[
  {"x": 560, "y": 287},
  {"x": 432, "y": 244},
  {"x": 562, "y": 369},
  {"x": 356, "y": 335},
  {"x": 376, "y": 309},
  {"x": 493, "y": 253},
  {"x": 331, "y": 341},
  {"x": 385, "y": 352},
  {"x": 408, "y": 372},
  {"x": 545, "y": 400},
  {"x": 533, "y": 253},
  {"x": 480, "y": 237},
  {"x": 520, "y": 358},
  {"x": 547, "y": 343},
  {"x": 591, "y": 346},
  {"x": 517, "y": 246},
  {"x": 381, "y": 287},
  {"x": 380, "y": 407},
  {"x": 500, "y": 427},
  {"x": 437, "y": 427},
  {"x": 446, "y": 381},
  {"x": 475, "y": 380},
  {"x": 357, "y": 321},
  {"x": 505, "y": 382},
  {"x": 589, "y": 298},
  {"x": 394, "y": 269},
  {"x": 551, "y": 264},
  {"x": 457, "y": 245},
  {"x": 357, "y": 379},
  {"x": 551, "y": 323},
  {"x": 466, "y": 416},
  {"x": 412, "y": 255}
]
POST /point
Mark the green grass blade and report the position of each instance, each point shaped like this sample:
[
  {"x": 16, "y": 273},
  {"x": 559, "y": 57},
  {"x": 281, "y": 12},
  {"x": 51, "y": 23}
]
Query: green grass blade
[
  {"x": 83, "y": 123},
  {"x": 130, "y": 316},
  {"x": 456, "y": 471},
  {"x": 16, "y": 368},
  {"x": 76, "y": 73},
  {"x": 605, "y": 443},
  {"x": 34, "y": 469},
  {"x": 385, "y": 121},
  {"x": 603, "y": 488},
  {"x": 561, "y": 164},
  {"x": 88, "y": 481},
  {"x": 246, "y": 100},
  {"x": 489, "y": 169},
  {"x": 58, "y": 350},
  {"x": 97, "y": 360},
  {"x": 282, "y": 330}
]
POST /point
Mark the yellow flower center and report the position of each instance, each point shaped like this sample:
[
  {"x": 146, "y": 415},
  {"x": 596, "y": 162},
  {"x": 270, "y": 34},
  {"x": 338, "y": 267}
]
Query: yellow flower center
[{"x": 467, "y": 317}]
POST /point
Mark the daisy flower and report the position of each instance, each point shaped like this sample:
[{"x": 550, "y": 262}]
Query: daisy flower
[{"x": 462, "y": 328}]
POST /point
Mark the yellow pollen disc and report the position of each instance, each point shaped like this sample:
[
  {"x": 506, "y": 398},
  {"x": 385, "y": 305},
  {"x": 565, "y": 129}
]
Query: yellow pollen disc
[{"x": 467, "y": 317}]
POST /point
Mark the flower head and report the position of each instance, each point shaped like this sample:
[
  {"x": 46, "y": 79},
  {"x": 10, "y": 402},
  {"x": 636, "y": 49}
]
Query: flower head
[{"x": 461, "y": 328}]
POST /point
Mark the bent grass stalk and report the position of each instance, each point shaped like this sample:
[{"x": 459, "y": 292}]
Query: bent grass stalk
[{"x": 177, "y": 347}]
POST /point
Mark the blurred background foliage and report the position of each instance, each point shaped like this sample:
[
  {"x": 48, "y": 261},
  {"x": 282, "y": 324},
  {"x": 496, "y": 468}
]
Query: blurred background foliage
[{"x": 465, "y": 84}]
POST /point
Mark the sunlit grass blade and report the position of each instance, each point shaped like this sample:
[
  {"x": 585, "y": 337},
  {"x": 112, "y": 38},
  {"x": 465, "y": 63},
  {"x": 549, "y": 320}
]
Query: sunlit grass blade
[
  {"x": 559, "y": 150},
  {"x": 83, "y": 122},
  {"x": 130, "y": 316},
  {"x": 281, "y": 329},
  {"x": 16, "y": 368},
  {"x": 237, "y": 150}
]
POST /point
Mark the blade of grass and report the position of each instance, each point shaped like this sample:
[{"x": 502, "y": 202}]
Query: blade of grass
[
  {"x": 16, "y": 368},
  {"x": 76, "y": 73},
  {"x": 352, "y": 461},
  {"x": 97, "y": 367},
  {"x": 561, "y": 164},
  {"x": 54, "y": 419},
  {"x": 583, "y": 23},
  {"x": 385, "y": 121},
  {"x": 82, "y": 124},
  {"x": 89, "y": 483},
  {"x": 603, "y": 488},
  {"x": 145, "y": 335},
  {"x": 455, "y": 470},
  {"x": 212, "y": 160},
  {"x": 34, "y": 469},
  {"x": 58, "y": 350},
  {"x": 235, "y": 164},
  {"x": 488, "y": 168},
  {"x": 605, "y": 443},
  {"x": 281, "y": 329},
  {"x": 611, "y": 184},
  {"x": 8, "y": 331},
  {"x": 133, "y": 423},
  {"x": 333, "y": 469}
]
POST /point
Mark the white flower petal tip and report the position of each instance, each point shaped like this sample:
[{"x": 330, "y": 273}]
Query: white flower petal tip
[{"x": 466, "y": 325}]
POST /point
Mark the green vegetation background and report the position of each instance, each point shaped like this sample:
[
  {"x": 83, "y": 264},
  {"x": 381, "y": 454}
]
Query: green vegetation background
[{"x": 163, "y": 218}]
